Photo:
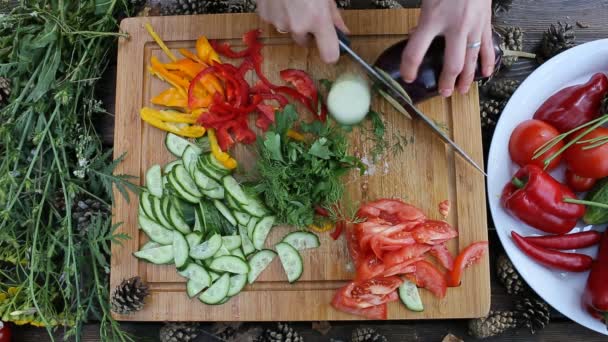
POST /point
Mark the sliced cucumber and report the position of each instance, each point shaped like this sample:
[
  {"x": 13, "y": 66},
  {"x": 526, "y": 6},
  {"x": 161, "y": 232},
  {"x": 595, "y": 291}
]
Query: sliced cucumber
[
  {"x": 178, "y": 221},
  {"x": 235, "y": 190},
  {"x": 258, "y": 263},
  {"x": 194, "y": 287},
  {"x": 180, "y": 249},
  {"x": 214, "y": 276},
  {"x": 199, "y": 220},
  {"x": 146, "y": 204},
  {"x": 251, "y": 227},
  {"x": 154, "y": 182},
  {"x": 194, "y": 239},
  {"x": 291, "y": 260},
  {"x": 176, "y": 144},
  {"x": 232, "y": 203},
  {"x": 184, "y": 179},
  {"x": 159, "y": 212},
  {"x": 255, "y": 208},
  {"x": 216, "y": 193},
  {"x": 217, "y": 165},
  {"x": 261, "y": 231},
  {"x": 231, "y": 242},
  {"x": 206, "y": 249},
  {"x": 409, "y": 295},
  {"x": 155, "y": 231},
  {"x": 158, "y": 255},
  {"x": 237, "y": 283},
  {"x": 246, "y": 243},
  {"x": 238, "y": 253},
  {"x": 216, "y": 292},
  {"x": 205, "y": 166},
  {"x": 203, "y": 181},
  {"x": 225, "y": 212},
  {"x": 302, "y": 240},
  {"x": 241, "y": 218},
  {"x": 165, "y": 204},
  {"x": 349, "y": 99},
  {"x": 190, "y": 158},
  {"x": 181, "y": 192},
  {"x": 141, "y": 212},
  {"x": 171, "y": 165},
  {"x": 221, "y": 252},
  {"x": 229, "y": 263},
  {"x": 150, "y": 244}
]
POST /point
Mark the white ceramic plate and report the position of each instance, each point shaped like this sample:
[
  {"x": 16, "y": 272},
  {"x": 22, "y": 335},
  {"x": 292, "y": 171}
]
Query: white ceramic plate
[{"x": 562, "y": 290}]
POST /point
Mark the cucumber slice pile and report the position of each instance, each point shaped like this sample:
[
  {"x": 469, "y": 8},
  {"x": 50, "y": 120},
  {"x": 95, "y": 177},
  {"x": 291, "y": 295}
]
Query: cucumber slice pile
[{"x": 179, "y": 210}]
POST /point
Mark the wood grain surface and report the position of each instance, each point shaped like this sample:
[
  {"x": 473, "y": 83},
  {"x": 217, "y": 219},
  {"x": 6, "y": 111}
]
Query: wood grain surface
[{"x": 424, "y": 174}]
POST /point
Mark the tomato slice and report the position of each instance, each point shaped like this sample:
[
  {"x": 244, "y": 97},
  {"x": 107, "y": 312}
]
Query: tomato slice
[
  {"x": 403, "y": 268},
  {"x": 369, "y": 266},
  {"x": 391, "y": 210},
  {"x": 433, "y": 232},
  {"x": 370, "y": 292},
  {"x": 405, "y": 254},
  {"x": 374, "y": 312},
  {"x": 470, "y": 255},
  {"x": 443, "y": 255},
  {"x": 430, "y": 278}
]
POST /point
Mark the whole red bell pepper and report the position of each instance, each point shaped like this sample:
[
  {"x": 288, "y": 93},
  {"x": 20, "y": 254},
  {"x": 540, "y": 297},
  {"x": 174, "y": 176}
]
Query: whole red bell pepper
[
  {"x": 595, "y": 297},
  {"x": 575, "y": 105},
  {"x": 573, "y": 262},
  {"x": 538, "y": 199}
]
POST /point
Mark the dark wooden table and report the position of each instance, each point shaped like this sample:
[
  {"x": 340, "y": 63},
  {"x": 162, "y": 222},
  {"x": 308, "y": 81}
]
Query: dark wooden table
[{"x": 533, "y": 17}]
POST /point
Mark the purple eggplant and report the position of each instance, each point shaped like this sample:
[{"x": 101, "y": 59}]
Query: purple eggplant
[{"x": 425, "y": 84}]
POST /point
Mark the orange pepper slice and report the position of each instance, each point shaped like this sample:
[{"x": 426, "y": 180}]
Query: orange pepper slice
[
  {"x": 205, "y": 51},
  {"x": 160, "y": 69},
  {"x": 171, "y": 98},
  {"x": 190, "y": 55},
  {"x": 295, "y": 135},
  {"x": 325, "y": 227}
]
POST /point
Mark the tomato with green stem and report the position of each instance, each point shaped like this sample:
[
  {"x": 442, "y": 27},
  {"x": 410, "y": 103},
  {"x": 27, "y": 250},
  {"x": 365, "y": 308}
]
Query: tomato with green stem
[
  {"x": 588, "y": 157},
  {"x": 578, "y": 183},
  {"x": 527, "y": 137}
]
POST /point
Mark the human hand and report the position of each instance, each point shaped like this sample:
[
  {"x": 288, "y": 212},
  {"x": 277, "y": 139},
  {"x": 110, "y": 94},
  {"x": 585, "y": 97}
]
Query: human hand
[
  {"x": 463, "y": 23},
  {"x": 305, "y": 18}
]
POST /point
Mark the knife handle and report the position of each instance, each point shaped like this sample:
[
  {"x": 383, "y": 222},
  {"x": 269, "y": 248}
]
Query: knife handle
[{"x": 343, "y": 38}]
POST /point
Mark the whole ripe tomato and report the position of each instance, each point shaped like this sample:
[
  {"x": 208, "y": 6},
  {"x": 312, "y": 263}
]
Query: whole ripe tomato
[
  {"x": 527, "y": 137},
  {"x": 589, "y": 162},
  {"x": 5, "y": 332},
  {"x": 578, "y": 183}
]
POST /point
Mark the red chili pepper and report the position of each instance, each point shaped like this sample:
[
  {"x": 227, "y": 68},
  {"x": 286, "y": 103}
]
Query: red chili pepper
[
  {"x": 321, "y": 211},
  {"x": 338, "y": 231},
  {"x": 537, "y": 199},
  {"x": 300, "y": 80},
  {"x": 574, "y": 262},
  {"x": 595, "y": 297},
  {"x": 568, "y": 241},
  {"x": 575, "y": 105}
]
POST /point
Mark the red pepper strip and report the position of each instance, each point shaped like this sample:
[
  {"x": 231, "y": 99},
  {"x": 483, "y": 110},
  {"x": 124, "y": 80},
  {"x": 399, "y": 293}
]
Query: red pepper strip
[
  {"x": 575, "y": 105},
  {"x": 256, "y": 99},
  {"x": 322, "y": 114},
  {"x": 262, "y": 121},
  {"x": 595, "y": 297},
  {"x": 226, "y": 50},
  {"x": 193, "y": 101},
  {"x": 537, "y": 199},
  {"x": 300, "y": 80},
  {"x": 574, "y": 262},
  {"x": 246, "y": 66},
  {"x": 296, "y": 96},
  {"x": 213, "y": 119},
  {"x": 569, "y": 241},
  {"x": 260, "y": 87},
  {"x": 321, "y": 211},
  {"x": 338, "y": 231}
]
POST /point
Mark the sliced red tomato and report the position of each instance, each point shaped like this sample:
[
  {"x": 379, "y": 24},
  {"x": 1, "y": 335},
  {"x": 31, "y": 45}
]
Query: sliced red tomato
[
  {"x": 374, "y": 312},
  {"x": 365, "y": 231},
  {"x": 405, "y": 253},
  {"x": 443, "y": 255},
  {"x": 370, "y": 292},
  {"x": 353, "y": 246},
  {"x": 405, "y": 267},
  {"x": 391, "y": 210},
  {"x": 470, "y": 255},
  {"x": 369, "y": 266},
  {"x": 430, "y": 278},
  {"x": 433, "y": 232}
]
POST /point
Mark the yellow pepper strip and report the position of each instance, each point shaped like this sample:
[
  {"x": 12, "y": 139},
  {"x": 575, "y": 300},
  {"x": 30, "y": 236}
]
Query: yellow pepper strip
[
  {"x": 325, "y": 227},
  {"x": 159, "y": 68},
  {"x": 217, "y": 152},
  {"x": 186, "y": 66},
  {"x": 191, "y": 56},
  {"x": 170, "y": 115},
  {"x": 160, "y": 42},
  {"x": 295, "y": 135},
  {"x": 205, "y": 51},
  {"x": 190, "y": 131},
  {"x": 179, "y": 88},
  {"x": 171, "y": 98}
]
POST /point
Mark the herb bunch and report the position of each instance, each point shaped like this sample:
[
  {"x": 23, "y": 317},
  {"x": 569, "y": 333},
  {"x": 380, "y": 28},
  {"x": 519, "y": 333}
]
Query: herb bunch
[
  {"x": 56, "y": 271},
  {"x": 297, "y": 175}
]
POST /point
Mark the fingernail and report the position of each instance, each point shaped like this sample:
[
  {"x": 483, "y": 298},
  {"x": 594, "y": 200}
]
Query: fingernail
[
  {"x": 446, "y": 92},
  {"x": 487, "y": 71},
  {"x": 409, "y": 80}
]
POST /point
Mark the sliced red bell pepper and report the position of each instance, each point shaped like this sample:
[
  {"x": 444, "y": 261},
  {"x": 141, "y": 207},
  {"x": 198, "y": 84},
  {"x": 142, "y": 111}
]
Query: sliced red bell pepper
[
  {"x": 302, "y": 82},
  {"x": 193, "y": 100},
  {"x": 338, "y": 231}
]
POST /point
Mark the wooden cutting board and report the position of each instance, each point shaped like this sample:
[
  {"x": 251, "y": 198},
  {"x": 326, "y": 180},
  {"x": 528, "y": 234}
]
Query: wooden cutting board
[{"x": 423, "y": 172}]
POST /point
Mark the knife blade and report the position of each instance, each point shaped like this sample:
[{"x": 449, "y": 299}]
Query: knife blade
[{"x": 403, "y": 101}]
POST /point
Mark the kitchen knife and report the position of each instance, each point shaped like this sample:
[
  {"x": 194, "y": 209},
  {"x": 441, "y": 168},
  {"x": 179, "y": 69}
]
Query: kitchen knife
[{"x": 387, "y": 86}]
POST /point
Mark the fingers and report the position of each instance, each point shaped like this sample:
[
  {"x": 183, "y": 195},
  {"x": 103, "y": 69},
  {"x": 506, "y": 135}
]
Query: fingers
[
  {"x": 415, "y": 50},
  {"x": 455, "y": 46},
  {"x": 337, "y": 17},
  {"x": 327, "y": 43},
  {"x": 301, "y": 39},
  {"x": 487, "y": 54},
  {"x": 470, "y": 64}
]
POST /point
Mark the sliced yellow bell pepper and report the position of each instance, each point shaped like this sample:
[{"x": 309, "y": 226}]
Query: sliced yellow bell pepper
[
  {"x": 169, "y": 115},
  {"x": 217, "y": 152},
  {"x": 186, "y": 66},
  {"x": 171, "y": 97},
  {"x": 190, "y": 131},
  {"x": 205, "y": 51},
  {"x": 190, "y": 55},
  {"x": 159, "y": 68},
  {"x": 325, "y": 227},
  {"x": 295, "y": 135},
  {"x": 183, "y": 92},
  {"x": 160, "y": 42}
]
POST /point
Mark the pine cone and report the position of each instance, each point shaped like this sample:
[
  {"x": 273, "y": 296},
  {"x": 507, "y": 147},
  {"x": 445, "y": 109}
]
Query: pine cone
[
  {"x": 513, "y": 39},
  {"x": 490, "y": 111},
  {"x": 557, "y": 39},
  {"x": 509, "y": 277},
  {"x": 187, "y": 7},
  {"x": 496, "y": 323},
  {"x": 178, "y": 332},
  {"x": 501, "y": 6},
  {"x": 84, "y": 210},
  {"x": 501, "y": 89},
  {"x": 283, "y": 333},
  {"x": 5, "y": 90},
  {"x": 367, "y": 335},
  {"x": 137, "y": 5},
  {"x": 386, "y": 4},
  {"x": 343, "y": 3},
  {"x": 534, "y": 313},
  {"x": 129, "y": 296}
]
